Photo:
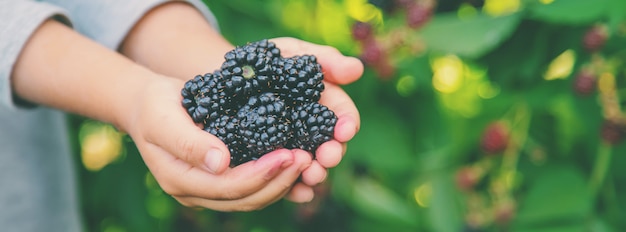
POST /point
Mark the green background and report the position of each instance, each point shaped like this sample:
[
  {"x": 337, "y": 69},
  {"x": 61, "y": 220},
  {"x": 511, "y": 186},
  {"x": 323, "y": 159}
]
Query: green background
[{"x": 400, "y": 171}]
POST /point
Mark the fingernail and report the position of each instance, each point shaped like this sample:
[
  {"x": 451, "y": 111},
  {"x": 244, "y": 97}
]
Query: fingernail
[
  {"x": 349, "y": 128},
  {"x": 213, "y": 159}
]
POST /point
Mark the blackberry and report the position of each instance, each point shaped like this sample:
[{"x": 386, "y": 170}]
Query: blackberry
[
  {"x": 299, "y": 79},
  {"x": 312, "y": 125},
  {"x": 195, "y": 96},
  {"x": 226, "y": 129},
  {"x": 246, "y": 72},
  {"x": 204, "y": 98},
  {"x": 263, "y": 124}
]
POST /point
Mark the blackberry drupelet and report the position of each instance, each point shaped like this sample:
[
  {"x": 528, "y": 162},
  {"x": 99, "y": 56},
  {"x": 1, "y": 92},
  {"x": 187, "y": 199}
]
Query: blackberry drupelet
[
  {"x": 263, "y": 124},
  {"x": 312, "y": 125},
  {"x": 299, "y": 79}
]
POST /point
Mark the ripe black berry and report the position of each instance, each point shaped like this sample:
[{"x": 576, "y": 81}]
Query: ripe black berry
[
  {"x": 313, "y": 124},
  {"x": 263, "y": 125},
  {"x": 246, "y": 71},
  {"x": 299, "y": 79},
  {"x": 203, "y": 98},
  {"x": 226, "y": 129}
]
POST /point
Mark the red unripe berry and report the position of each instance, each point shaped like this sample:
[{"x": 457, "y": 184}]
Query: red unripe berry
[
  {"x": 372, "y": 53},
  {"x": 595, "y": 38},
  {"x": 584, "y": 83},
  {"x": 495, "y": 138},
  {"x": 417, "y": 15},
  {"x": 504, "y": 212},
  {"x": 362, "y": 31},
  {"x": 467, "y": 178},
  {"x": 612, "y": 132}
]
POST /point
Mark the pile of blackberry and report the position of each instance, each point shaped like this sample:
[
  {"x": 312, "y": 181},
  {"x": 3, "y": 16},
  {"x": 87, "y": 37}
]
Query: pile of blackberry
[{"x": 259, "y": 101}]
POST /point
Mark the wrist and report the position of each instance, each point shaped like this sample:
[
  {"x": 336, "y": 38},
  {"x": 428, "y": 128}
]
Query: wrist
[
  {"x": 135, "y": 93},
  {"x": 187, "y": 43}
]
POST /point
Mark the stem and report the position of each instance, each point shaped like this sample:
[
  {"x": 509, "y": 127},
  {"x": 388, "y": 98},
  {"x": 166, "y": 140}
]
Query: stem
[
  {"x": 519, "y": 134},
  {"x": 600, "y": 168},
  {"x": 248, "y": 72}
]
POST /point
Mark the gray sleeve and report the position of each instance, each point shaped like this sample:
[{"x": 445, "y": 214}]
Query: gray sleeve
[
  {"x": 18, "y": 20},
  {"x": 109, "y": 21},
  {"x": 106, "y": 21}
]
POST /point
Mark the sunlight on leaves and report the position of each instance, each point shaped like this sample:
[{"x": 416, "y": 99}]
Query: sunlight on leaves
[
  {"x": 447, "y": 73},
  {"x": 423, "y": 194},
  {"x": 100, "y": 145},
  {"x": 501, "y": 7},
  {"x": 362, "y": 11},
  {"x": 561, "y": 67}
]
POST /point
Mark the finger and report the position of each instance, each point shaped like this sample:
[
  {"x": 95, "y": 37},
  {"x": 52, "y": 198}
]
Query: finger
[
  {"x": 177, "y": 133},
  {"x": 329, "y": 154},
  {"x": 314, "y": 174},
  {"x": 275, "y": 190},
  {"x": 348, "y": 119},
  {"x": 300, "y": 193},
  {"x": 337, "y": 68},
  {"x": 178, "y": 178}
]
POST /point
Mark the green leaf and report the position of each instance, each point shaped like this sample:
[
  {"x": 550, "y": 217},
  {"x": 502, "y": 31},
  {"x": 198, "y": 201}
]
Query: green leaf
[
  {"x": 383, "y": 141},
  {"x": 579, "y": 227},
  {"x": 570, "y": 11},
  {"x": 444, "y": 209},
  {"x": 373, "y": 199},
  {"x": 559, "y": 194},
  {"x": 568, "y": 124},
  {"x": 471, "y": 37},
  {"x": 616, "y": 14}
]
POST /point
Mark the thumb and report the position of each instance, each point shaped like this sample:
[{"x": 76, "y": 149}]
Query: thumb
[
  {"x": 195, "y": 146},
  {"x": 175, "y": 132}
]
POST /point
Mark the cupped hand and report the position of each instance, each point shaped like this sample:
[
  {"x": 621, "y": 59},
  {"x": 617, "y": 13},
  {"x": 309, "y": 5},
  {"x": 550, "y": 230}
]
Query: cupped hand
[
  {"x": 338, "y": 70},
  {"x": 192, "y": 165}
]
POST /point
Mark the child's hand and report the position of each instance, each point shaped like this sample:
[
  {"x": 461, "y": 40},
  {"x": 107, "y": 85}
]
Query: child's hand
[
  {"x": 192, "y": 165},
  {"x": 203, "y": 51}
]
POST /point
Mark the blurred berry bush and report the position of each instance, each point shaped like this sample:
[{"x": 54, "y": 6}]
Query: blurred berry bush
[{"x": 477, "y": 115}]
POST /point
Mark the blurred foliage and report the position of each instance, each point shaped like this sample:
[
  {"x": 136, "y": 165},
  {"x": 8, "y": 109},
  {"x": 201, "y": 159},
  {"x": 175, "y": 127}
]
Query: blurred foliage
[{"x": 420, "y": 161}]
